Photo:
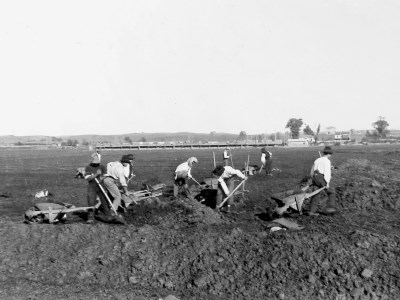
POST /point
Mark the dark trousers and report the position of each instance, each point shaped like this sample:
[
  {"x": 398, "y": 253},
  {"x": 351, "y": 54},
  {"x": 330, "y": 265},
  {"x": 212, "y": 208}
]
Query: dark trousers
[
  {"x": 230, "y": 183},
  {"x": 268, "y": 166},
  {"x": 318, "y": 181},
  {"x": 226, "y": 161},
  {"x": 180, "y": 185}
]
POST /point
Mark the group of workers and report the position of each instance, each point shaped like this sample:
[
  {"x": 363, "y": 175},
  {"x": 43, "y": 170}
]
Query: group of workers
[
  {"x": 110, "y": 183},
  {"x": 320, "y": 176}
]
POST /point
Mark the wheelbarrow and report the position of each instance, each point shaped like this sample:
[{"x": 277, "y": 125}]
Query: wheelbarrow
[
  {"x": 148, "y": 192},
  {"x": 293, "y": 199},
  {"x": 52, "y": 212}
]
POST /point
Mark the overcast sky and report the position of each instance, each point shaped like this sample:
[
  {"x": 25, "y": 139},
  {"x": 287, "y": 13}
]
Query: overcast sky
[{"x": 115, "y": 67}]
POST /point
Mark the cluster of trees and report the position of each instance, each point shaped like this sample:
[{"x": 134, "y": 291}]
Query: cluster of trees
[
  {"x": 380, "y": 130},
  {"x": 295, "y": 125}
]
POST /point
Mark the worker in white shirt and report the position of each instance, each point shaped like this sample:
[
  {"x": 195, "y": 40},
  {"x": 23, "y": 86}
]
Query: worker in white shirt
[
  {"x": 98, "y": 153},
  {"x": 115, "y": 178},
  {"x": 128, "y": 169},
  {"x": 321, "y": 177},
  {"x": 266, "y": 160},
  {"x": 182, "y": 173},
  {"x": 226, "y": 155},
  {"x": 226, "y": 183}
]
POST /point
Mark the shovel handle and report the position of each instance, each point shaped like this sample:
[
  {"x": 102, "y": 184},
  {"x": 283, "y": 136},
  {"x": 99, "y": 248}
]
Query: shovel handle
[
  {"x": 231, "y": 194},
  {"x": 105, "y": 195}
]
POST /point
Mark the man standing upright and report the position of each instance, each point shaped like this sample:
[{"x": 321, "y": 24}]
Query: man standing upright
[
  {"x": 321, "y": 177},
  {"x": 266, "y": 160},
  {"x": 98, "y": 154},
  {"x": 227, "y": 154}
]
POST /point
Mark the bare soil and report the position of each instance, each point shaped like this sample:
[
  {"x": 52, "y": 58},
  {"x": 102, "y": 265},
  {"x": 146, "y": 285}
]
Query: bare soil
[{"x": 183, "y": 248}]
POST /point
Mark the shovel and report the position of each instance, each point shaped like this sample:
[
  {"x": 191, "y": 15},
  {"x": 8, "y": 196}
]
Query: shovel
[
  {"x": 231, "y": 194},
  {"x": 105, "y": 195}
]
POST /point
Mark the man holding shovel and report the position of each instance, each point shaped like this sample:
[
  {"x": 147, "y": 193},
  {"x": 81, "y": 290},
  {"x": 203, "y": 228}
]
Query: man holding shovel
[
  {"x": 115, "y": 178},
  {"x": 321, "y": 177},
  {"x": 92, "y": 171},
  {"x": 226, "y": 184},
  {"x": 182, "y": 173}
]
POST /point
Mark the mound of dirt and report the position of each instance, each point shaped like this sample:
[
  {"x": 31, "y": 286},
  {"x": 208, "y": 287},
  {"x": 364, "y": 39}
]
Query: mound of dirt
[{"x": 178, "y": 213}]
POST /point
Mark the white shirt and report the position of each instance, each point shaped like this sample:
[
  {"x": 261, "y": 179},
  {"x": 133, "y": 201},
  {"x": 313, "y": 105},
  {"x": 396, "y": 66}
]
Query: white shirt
[
  {"x": 228, "y": 173},
  {"x": 263, "y": 158},
  {"x": 226, "y": 154},
  {"x": 323, "y": 165},
  {"x": 183, "y": 169},
  {"x": 116, "y": 171}
]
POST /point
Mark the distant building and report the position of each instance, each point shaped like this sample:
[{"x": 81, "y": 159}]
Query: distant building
[
  {"x": 342, "y": 136},
  {"x": 303, "y": 142}
]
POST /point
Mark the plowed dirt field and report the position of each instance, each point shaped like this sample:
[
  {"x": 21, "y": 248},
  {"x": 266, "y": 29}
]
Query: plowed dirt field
[{"x": 183, "y": 248}]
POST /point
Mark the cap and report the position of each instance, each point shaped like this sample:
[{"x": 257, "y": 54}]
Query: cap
[
  {"x": 328, "y": 150},
  {"x": 125, "y": 159},
  {"x": 219, "y": 170},
  {"x": 192, "y": 160}
]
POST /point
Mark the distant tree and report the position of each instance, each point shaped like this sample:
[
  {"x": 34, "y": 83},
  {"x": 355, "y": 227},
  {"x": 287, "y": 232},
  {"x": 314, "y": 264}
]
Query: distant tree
[
  {"x": 72, "y": 143},
  {"x": 142, "y": 139},
  {"x": 294, "y": 126},
  {"x": 213, "y": 133},
  {"x": 307, "y": 130},
  {"x": 243, "y": 135},
  {"x": 331, "y": 129},
  {"x": 85, "y": 143},
  {"x": 381, "y": 126},
  {"x": 128, "y": 140},
  {"x": 317, "y": 133},
  {"x": 279, "y": 136}
]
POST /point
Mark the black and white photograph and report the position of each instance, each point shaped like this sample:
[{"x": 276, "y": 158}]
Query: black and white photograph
[{"x": 190, "y": 150}]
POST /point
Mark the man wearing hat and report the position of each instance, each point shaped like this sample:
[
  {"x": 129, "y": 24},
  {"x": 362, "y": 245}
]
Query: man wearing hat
[
  {"x": 226, "y": 155},
  {"x": 226, "y": 183},
  {"x": 92, "y": 171},
  {"x": 321, "y": 177},
  {"x": 182, "y": 173},
  {"x": 266, "y": 160},
  {"x": 115, "y": 178}
]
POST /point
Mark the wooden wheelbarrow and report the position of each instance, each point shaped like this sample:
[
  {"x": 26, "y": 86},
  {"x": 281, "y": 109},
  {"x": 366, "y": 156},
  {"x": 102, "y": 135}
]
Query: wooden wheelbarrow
[{"x": 293, "y": 199}]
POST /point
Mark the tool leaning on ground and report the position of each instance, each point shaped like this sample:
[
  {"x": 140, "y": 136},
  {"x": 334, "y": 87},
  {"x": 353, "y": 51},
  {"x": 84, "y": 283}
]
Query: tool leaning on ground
[{"x": 232, "y": 193}]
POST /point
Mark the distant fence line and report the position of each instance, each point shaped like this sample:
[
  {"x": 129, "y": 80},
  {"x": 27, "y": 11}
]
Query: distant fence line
[{"x": 186, "y": 146}]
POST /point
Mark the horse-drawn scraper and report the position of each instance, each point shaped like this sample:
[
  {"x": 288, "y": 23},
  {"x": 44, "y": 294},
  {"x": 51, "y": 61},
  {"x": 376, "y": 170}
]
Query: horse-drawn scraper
[
  {"x": 293, "y": 199},
  {"x": 52, "y": 212}
]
